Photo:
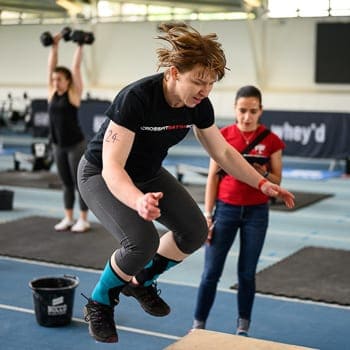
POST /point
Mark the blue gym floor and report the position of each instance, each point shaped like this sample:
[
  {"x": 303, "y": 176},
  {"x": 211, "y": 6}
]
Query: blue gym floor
[{"x": 305, "y": 323}]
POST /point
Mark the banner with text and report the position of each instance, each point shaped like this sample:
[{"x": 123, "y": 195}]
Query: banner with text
[{"x": 311, "y": 134}]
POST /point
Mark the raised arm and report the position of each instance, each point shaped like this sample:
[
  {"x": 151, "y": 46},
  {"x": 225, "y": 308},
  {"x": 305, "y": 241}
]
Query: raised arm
[
  {"x": 76, "y": 71},
  {"x": 234, "y": 164},
  {"x": 52, "y": 61}
]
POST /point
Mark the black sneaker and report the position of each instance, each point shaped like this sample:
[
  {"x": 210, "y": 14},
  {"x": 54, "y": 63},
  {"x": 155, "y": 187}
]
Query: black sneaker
[
  {"x": 149, "y": 298},
  {"x": 101, "y": 321}
]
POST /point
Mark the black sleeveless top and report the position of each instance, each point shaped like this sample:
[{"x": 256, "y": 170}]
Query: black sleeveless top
[{"x": 64, "y": 124}]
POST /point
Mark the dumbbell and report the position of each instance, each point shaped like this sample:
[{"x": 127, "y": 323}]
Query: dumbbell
[
  {"x": 82, "y": 38},
  {"x": 66, "y": 33},
  {"x": 46, "y": 38}
]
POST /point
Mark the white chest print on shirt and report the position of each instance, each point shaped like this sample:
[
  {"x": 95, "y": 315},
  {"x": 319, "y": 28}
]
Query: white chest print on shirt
[
  {"x": 260, "y": 148},
  {"x": 166, "y": 127}
]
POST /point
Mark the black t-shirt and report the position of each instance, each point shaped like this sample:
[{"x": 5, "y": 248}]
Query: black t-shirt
[
  {"x": 64, "y": 124},
  {"x": 141, "y": 107}
]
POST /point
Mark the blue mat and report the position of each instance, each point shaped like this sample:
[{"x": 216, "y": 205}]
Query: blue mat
[
  {"x": 278, "y": 320},
  {"x": 7, "y": 151},
  {"x": 305, "y": 174}
]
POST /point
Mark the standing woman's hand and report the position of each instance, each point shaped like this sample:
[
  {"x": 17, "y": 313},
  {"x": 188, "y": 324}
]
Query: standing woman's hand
[
  {"x": 211, "y": 225},
  {"x": 261, "y": 169}
]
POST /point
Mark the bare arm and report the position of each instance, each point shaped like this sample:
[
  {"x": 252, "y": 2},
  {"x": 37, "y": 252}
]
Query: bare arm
[
  {"x": 117, "y": 144},
  {"x": 235, "y": 165},
  {"x": 76, "y": 71},
  {"x": 52, "y": 62},
  {"x": 227, "y": 156},
  {"x": 211, "y": 190}
]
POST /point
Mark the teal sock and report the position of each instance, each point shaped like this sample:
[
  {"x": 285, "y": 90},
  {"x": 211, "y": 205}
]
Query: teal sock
[
  {"x": 108, "y": 287},
  {"x": 154, "y": 269}
]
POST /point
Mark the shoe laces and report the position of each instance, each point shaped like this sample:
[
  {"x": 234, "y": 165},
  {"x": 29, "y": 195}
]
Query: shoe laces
[
  {"x": 154, "y": 293},
  {"x": 151, "y": 293},
  {"x": 100, "y": 315}
]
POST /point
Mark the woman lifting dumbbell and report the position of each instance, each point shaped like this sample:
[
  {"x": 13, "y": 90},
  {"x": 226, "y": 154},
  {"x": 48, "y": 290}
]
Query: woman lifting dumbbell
[{"x": 64, "y": 97}]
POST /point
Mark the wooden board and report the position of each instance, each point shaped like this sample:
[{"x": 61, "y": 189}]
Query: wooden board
[{"x": 207, "y": 340}]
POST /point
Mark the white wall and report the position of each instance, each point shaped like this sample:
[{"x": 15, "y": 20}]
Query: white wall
[{"x": 278, "y": 56}]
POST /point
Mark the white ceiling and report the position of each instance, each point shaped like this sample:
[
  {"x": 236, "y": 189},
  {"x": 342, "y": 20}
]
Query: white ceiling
[{"x": 50, "y": 8}]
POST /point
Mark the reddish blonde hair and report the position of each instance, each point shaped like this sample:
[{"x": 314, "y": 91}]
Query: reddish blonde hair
[{"x": 189, "y": 48}]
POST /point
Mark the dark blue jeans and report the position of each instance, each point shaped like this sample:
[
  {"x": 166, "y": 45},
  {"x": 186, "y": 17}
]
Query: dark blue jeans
[{"x": 252, "y": 222}]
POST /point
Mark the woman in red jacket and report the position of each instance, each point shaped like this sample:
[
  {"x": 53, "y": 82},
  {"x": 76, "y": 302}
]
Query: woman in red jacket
[{"x": 232, "y": 205}]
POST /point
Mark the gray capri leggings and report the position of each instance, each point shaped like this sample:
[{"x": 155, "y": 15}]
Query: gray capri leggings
[
  {"x": 67, "y": 160},
  {"x": 139, "y": 239}
]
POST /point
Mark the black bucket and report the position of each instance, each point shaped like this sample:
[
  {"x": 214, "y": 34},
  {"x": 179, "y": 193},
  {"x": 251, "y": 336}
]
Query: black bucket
[
  {"x": 53, "y": 299},
  {"x": 6, "y": 200}
]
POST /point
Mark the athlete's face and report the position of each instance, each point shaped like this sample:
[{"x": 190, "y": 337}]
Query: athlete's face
[
  {"x": 195, "y": 85},
  {"x": 248, "y": 111},
  {"x": 60, "y": 82}
]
